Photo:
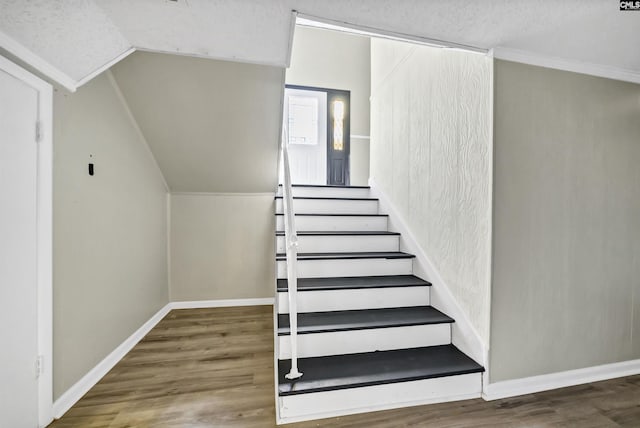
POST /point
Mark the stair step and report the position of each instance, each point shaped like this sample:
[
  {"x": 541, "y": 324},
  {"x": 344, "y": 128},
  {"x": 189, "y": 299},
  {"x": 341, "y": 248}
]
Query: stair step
[
  {"x": 354, "y": 282},
  {"x": 335, "y": 215},
  {"x": 322, "y": 265},
  {"x": 346, "y": 256},
  {"x": 324, "y": 322},
  {"x": 369, "y": 340},
  {"x": 342, "y": 242},
  {"x": 329, "y": 191},
  {"x": 330, "y": 198},
  {"x": 342, "y": 233},
  {"x": 330, "y": 186},
  {"x": 337, "y": 372},
  {"x": 336, "y": 222},
  {"x": 327, "y": 205}
]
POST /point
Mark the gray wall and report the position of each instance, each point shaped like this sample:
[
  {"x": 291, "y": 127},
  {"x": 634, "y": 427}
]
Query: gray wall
[
  {"x": 110, "y": 248},
  {"x": 431, "y": 153},
  {"x": 329, "y": 59},
  {"x": 222, "y": 246},
  {"x": 566, "y": 244},
  {"x": 214, "y": 126}
]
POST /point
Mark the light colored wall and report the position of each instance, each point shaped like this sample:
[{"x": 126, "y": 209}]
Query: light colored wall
[
  {"x": 431, "y": 156},
  {"x": 329, "y": 59},
  {"x": 566, "y": 265},
  {"x": 110, "y": 247},
  {"x": 222, "y": 246},
  {"x": 214, "y": 126}
]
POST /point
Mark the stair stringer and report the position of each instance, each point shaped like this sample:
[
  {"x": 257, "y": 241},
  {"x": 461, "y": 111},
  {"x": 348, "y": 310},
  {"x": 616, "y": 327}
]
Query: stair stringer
[{"x": 463, "y": 335}]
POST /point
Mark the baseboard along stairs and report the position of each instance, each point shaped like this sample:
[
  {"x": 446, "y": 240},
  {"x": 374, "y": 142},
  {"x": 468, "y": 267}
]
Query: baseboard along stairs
[{"x": 368, "y": 338}]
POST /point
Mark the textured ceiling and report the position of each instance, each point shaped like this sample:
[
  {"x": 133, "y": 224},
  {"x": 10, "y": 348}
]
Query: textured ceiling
[
  {"x": 73, "y": 35},
  {"x": 79, "y": 36}
]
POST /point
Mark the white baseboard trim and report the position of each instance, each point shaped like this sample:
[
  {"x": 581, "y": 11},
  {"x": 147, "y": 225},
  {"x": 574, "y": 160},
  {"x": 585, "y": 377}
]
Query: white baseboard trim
[
  {"x": 530, "y": 385},
  {"x": 88, "y": 381},
  {"x": 81, "y": 387},
  {"x": 196, "y": 304},
  {"x": 369, "y": 409},
  {"x": 464, "y": 335}
]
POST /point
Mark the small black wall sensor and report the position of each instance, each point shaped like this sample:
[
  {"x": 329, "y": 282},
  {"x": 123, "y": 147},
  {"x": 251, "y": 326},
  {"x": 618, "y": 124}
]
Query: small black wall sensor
[{"x": 91, "y": 164}]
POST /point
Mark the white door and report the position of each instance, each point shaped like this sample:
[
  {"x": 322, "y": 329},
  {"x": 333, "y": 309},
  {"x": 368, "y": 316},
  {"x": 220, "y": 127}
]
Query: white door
[
  {"x": 307, "y": 125},
  {"x": 18, "y": 253}
]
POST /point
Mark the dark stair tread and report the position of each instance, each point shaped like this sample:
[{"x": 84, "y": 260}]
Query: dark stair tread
[
  {"x": 328, "y": 185},
  {"x": 342, "y": 233},
  {"x": 331, "y": 198},
  {"x": 324, "y": 322},
  {"x": 355, "y": 282},
  {"x": 374, "y": 368},
  {"x": 338, "y": 215},
  {"x": 364, "y": 255}
]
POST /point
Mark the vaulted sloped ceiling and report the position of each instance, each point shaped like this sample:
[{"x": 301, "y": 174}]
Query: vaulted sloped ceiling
[
  {"x": 213, "y": 126},
  {"x": 79, "y": 36}
]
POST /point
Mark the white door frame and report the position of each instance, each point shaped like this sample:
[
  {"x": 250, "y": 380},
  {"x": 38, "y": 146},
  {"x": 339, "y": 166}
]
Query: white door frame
[{"x": 44, "y": 216}]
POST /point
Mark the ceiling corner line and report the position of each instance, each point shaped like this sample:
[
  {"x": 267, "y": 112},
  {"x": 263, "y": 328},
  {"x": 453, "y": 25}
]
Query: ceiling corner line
[
  {"x": 34, "y": 60},
  {"x": 292, "y": 29},
  {"x": 574, "y": 66},
  {"x": 106, "y": 66}
]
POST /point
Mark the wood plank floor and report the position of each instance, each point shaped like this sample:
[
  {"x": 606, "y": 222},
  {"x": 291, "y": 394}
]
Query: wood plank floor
[{"x": 214, "y": 368}]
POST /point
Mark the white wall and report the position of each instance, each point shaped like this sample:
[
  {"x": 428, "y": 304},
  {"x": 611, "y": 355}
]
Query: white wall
[
  {"x": 110, "y": 230},
  {"x": 222, "y": 246},
  {"x": 329, "y": 59},
  {"x": 431, "y": 156}
]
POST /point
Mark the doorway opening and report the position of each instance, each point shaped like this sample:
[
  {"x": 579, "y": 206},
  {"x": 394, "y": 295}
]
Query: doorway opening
[{"x": 318, "y": 122}]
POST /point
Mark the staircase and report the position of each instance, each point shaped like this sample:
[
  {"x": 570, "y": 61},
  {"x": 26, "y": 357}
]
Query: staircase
[{"x": 368, "y": 338}]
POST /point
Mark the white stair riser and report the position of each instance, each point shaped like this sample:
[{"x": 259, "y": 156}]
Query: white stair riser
[
  {"x": 347, "y": 267},
  {"x": 331, "y": 206},
  {"x": 328, "y": 192},
  {"x": 335, "y": 223},
  {"x": 317, "y": 405},
  {"x": 342, "y": 243},
  {"x": 369, "y": 340},
  {"x": 360, "y": 298}
]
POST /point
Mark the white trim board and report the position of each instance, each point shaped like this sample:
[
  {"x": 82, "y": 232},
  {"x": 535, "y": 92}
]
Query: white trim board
[
  {"x": 292, "y": 30},
  {"x": 81, "y": 387},
  {"x": 29, "y": 57},
  {"x": 350, "y": 401},
  {"x": 463, "y": 334},
  {"x": 224, "y": 303},
  {"x": 308, "y": 20},
  {"x": 44, "y": 231},
  {"x": 539, "y": 60},
  {"x": 104, "y": 67},
  {"x": 51, "y": 71},
  {"x": 93, "y": 376},
  {"x": 530, "y": 385},
  {"x": 277, "y": 64}
]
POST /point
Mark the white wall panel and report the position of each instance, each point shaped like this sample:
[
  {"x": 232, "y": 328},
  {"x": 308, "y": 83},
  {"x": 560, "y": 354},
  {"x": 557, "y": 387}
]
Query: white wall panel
[{"x": 430, "y": 154}]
